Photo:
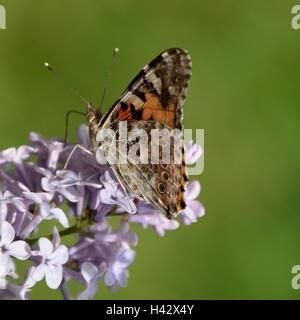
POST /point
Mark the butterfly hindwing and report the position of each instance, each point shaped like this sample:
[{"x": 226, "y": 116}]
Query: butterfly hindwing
[{"x": 157, "y": 181}]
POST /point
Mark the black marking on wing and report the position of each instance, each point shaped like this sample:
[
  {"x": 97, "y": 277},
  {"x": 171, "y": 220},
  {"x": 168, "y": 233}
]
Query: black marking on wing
[
  {"x": 182, "y": 204},
  {"x": 165, "y": 96},
  {"x": 155, "y": 61},
  {"x": 136, "y": 114},
  {"x": 124, "y": 106},
  {"x": 140, "y": 94}
]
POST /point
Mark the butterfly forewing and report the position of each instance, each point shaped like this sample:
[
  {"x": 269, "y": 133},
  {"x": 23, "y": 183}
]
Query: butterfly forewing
[{"x": 156, "y": 93}]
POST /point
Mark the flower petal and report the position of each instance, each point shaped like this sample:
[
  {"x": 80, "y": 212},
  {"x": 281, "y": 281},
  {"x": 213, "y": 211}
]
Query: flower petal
[
  {"x": 53, "y": 276},
  {"x": 18, "y": 202},
  {"x": 24, "y": 152},
  {"x": 39, "y": 272},
  {"x": 159, "y": 230},
  {"x": 19, "y": 249},
  {"x": 109, "y": 278},
  {"x": 83, "y": 136},
  {"x": 56, "y": 238},
  {"x": 198, "y": 208},
  {"x": 8, "y": 155},
  {"x": 89, "y": 271},
  {"x": 193, "y": 152},
  {"x": 125, "y": 258},
  {"x": 131, "y": 238},
  {"x": 45, "y": 211},
  {"x": 47, "y": 185},
  {"x": 55, "y": 148},
  {"x": 3, "y": 210},
  {"x": 5, "y": 263},
  {"x": 188, "y": 216},
  {"x": 60, "y": 256},
  {"x": 151, "y": 219},
  {"x": 32, "y": 196},
  {"x": 70, "y": 193},
  {"x": 7, "y": 233},
  {"x": 29, "y": 282},
  {"x": 60, "y": 216},
  {"x": 46, "y": 247},
  {"x": 192, "y": 190},
  {"x": 105, "y": 196},
  {"x": 3, "y": 283},
  {"x": 122, "y": 277}
]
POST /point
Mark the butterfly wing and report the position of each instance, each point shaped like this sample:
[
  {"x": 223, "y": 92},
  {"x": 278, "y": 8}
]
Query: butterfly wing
[
  {"x": 156, "y": 93},
  {"x": 159, "y": 182},
  {"x": 154, "y": 100}
]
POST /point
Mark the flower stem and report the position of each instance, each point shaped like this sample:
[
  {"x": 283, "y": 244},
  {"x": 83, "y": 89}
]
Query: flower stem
[
  {"x": 68, "y": 231},
  {"x": 80, "y": 224}
]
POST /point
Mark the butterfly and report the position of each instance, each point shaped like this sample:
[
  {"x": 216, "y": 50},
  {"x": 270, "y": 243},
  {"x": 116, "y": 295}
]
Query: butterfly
[{"x": 153, "y": 100}]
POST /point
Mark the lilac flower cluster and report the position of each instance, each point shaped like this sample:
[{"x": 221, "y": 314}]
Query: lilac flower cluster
[{"x": 31, "y": 194}]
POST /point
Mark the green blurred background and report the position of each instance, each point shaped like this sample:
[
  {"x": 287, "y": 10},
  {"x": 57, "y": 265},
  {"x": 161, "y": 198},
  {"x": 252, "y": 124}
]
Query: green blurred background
[{"x": 244, "y": 92}]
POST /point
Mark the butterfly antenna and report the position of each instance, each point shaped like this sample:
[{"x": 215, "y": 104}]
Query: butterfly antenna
[
  {"x": 108, "y": 77},
  {"x": 47, "y": 65}
]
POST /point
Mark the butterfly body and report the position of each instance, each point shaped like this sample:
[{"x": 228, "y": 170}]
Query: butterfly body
[{"x": 152, "y": 103}]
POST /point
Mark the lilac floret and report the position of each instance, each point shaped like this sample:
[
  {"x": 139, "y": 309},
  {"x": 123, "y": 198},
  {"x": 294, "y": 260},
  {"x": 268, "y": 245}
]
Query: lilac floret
[
  {"x": 91, "y": 275},
  {"x": 6, "y": 197},
  {"x": 117, "y": 274},
  {"x": 113, "y": 194},
  {"x": 194, "y": 208},
  {"x": 53, "y": 257},
  {"x": 193, "y": 152},
  {"x": 18, "y": 249},
  {"x": 53, "y": 184}
]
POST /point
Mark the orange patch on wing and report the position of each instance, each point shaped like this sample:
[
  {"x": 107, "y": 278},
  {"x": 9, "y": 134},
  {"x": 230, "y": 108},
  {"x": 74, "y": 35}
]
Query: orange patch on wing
[
  {"x": 153, "y": 109},
  {"x": 124, "y": 114}
]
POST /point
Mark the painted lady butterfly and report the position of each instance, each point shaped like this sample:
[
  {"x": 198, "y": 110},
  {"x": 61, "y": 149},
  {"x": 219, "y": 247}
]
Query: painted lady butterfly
[{"x": 153, "y": 100}]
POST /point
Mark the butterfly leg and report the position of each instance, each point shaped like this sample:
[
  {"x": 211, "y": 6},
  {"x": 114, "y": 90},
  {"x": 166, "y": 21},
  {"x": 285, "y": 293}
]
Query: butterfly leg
[
  {"x": 70, "y": 156},
  {"x": 123, "y": 187}
]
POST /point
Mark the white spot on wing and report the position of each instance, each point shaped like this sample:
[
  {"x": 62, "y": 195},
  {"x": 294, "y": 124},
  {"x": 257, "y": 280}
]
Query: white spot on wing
[
  {"x": 172, "y": 90},
  {"x": 151, "y": 77},
  {"x": 165, "y": 54}
]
